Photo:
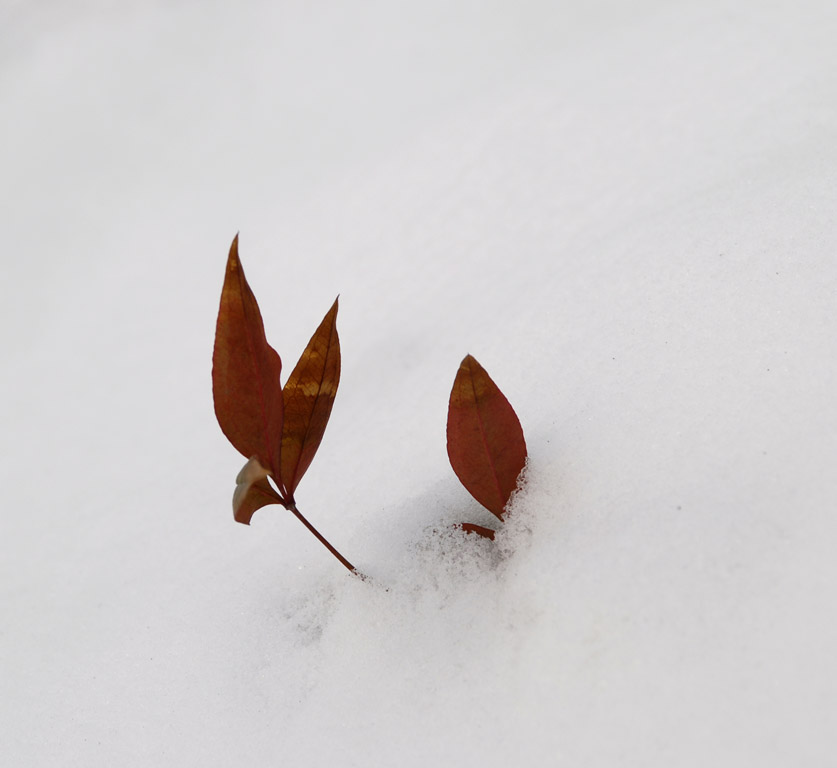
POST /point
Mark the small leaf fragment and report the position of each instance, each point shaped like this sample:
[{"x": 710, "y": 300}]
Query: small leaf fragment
[
  {"x": 480, "y": 530},
  {"x": 245, "y": 372},
  {"x": 308, "y": 398},
  {"x": 252, "y": 491},
  {"x": 486, "y": 447}
]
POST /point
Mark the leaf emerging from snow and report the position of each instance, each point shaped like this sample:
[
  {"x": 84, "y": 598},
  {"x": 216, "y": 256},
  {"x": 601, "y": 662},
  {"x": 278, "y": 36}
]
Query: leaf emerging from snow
[{"x": 485, "y": 440}]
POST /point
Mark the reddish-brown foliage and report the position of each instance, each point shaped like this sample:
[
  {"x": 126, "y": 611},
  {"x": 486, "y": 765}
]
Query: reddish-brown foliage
[
  {"x": 480, "y": 530},
  {"x": 252, "y": 491},
  {"x": 308, "y": 397},
  {"x": 485, "y": 440},
  {"x": 280, "y": 429},
  {"x": 245, "y": 372}
]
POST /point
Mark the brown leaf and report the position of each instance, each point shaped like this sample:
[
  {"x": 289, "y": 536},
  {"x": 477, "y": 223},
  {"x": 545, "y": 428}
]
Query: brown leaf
[
  {"x": 485, "y": 441},
  {"x": 309, "y": 395},
  {"x": 252, "y": 491},
  {"x": 480, "y": 530},
  {"x": 245, "y": 372}
]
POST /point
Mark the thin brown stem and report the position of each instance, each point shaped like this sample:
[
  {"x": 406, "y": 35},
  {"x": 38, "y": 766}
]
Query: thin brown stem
[{"x": 325, "y": 542}]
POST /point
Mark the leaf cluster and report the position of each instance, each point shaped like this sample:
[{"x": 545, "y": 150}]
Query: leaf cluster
[{"x": 278, "y": 429}]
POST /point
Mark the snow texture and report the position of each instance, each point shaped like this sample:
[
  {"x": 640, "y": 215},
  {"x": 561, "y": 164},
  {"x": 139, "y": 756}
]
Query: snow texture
[{"x": 624, "y": 211}]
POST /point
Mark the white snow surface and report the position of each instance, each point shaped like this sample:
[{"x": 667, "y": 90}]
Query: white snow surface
[{"x": 624, "y": 211}]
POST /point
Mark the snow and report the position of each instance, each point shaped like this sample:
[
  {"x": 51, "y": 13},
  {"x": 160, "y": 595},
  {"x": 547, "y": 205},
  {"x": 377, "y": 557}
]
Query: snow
[{"x": 625, "y": 212}]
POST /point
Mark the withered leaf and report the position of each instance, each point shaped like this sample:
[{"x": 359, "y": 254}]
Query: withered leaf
[
  {"x": 485, "y": 440},
  {"x": 480, "y": 530},
  {"x": 245, "y": 372},
  {"x": 252, "y": 491},
  {"x": 308, "y": 399}
]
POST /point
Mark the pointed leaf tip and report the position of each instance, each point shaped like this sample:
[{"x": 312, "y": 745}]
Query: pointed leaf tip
[
  {"x": 245, "y": 371},
  {"x": 308, "y": 399},
  {"x": 486, "y": 447}
]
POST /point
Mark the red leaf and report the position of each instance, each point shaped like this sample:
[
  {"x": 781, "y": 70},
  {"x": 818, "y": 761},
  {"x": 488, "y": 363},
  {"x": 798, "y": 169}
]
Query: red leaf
[
  {"x": 252, "y": 491},
  {"x": 485, "y": 441},
  {"x": 245, "y": 372},
  {"x": 308, "y": 398},
  {"x": 486, "y": 533}
]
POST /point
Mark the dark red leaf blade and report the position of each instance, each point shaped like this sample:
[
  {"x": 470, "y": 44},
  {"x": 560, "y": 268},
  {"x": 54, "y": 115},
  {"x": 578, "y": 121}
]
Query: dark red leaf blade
[
  {"x": 309, "y": 396},
  {"x": 485, "y": 440},
  {"x": 252, "y": 491},
  {"x": 245, "y": 372}
]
